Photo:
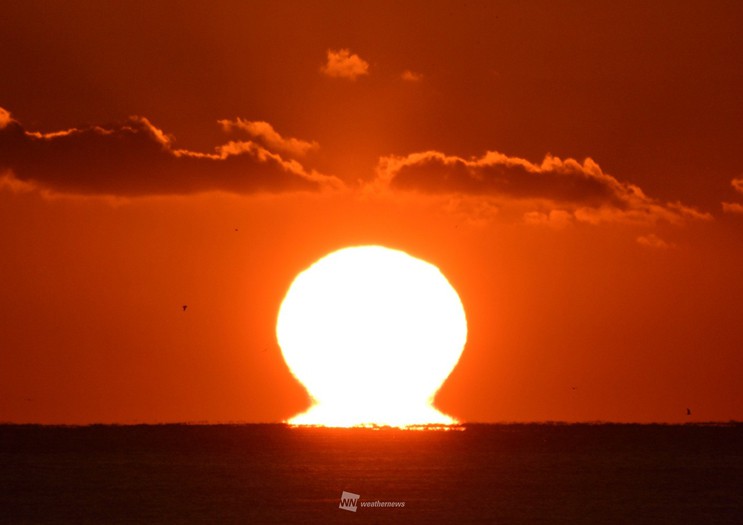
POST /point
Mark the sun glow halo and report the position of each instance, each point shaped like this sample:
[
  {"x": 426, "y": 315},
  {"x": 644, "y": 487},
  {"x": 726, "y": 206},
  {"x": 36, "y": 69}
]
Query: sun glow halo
[{"x": 371, "y": 333}]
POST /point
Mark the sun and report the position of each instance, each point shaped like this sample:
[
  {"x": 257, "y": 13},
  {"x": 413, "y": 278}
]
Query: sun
[{"x": 372, "y": 333}]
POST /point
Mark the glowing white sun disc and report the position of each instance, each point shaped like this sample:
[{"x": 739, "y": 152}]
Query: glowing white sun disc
[{"x": 372, "y": 333}]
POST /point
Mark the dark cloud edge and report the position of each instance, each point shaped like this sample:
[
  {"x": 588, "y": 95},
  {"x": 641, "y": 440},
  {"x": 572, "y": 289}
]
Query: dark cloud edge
[
  {"x": 134, "y": 158},
  {"x": 555, "y": 190}
]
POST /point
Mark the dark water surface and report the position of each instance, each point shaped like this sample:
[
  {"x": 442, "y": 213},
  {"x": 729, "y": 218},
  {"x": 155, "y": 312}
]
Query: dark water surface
[{"x": 275, "y": 474}]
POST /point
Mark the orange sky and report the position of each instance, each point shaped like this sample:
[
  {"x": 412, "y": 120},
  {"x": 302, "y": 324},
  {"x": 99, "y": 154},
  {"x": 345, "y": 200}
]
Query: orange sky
[{"x": 574, "y": 171}]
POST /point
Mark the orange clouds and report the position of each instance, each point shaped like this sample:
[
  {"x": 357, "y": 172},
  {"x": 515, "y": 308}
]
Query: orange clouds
[
  {"x": 737, "y": 184},
  {"x": 136, "y": 158},
  {"x": 557, "y": 190},
  {"x": 5, "y": 118},
  {"x": 344, "y": 64}
]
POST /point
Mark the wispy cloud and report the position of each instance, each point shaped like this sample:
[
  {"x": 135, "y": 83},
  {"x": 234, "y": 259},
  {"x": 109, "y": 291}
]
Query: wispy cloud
[
  {"x": 344, "y": 64},
  {"x": 136, "y": 158},
  {"x": 732, "y": 207},
  {"x": 557, "y": 219},
  {"x": 653, "y": 241},
  {"x": 411, "y": 76},
  {"x": 737, "y": 184}
]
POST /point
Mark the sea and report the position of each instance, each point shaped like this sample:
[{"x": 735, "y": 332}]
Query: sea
[{"x": 274, "y": 473}]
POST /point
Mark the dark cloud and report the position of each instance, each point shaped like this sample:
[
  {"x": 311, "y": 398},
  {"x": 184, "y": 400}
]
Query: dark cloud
[
  {"x": 557, "y": 189},
  {"x": 135, "y": 158}
]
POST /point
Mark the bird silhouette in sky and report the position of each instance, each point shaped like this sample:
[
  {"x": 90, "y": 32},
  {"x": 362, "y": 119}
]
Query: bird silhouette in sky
[
  {"x": 184, "y": 307},
  {"x": 688, "y": 411}
]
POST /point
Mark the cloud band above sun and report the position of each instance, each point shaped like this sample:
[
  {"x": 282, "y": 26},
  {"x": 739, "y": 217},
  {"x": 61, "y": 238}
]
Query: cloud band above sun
[
  {"x": 135, "y": 158},
  {"x": 557, "y": 189}
]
